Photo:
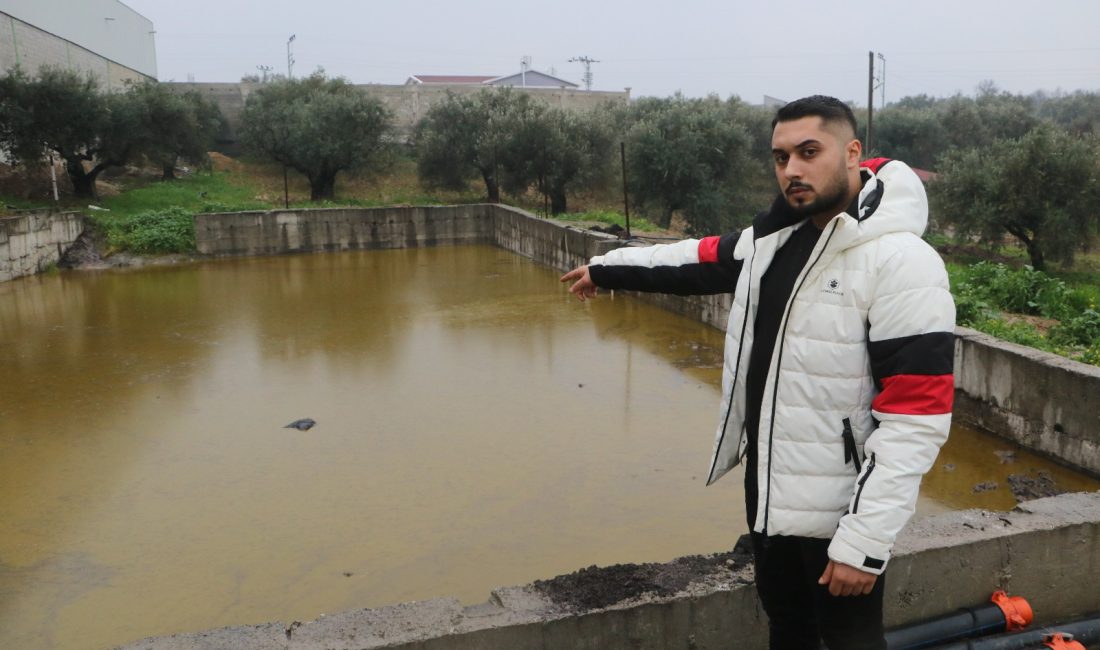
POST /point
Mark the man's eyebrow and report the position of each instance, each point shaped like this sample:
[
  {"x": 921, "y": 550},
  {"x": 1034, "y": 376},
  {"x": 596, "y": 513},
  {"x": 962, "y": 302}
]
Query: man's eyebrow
[{"x": 804, "y": 143}]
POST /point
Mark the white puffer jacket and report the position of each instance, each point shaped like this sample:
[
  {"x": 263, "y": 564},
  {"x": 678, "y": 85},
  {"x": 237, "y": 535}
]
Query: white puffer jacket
[{"x": 859, "y": 391}]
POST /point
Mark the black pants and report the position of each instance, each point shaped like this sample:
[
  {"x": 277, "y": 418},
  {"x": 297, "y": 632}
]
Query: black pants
[{"x": 802, "y": 613}]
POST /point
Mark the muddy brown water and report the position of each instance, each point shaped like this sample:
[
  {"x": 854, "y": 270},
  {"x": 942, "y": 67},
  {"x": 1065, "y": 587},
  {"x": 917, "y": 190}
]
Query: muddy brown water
[{"x": 476, "y": 427}]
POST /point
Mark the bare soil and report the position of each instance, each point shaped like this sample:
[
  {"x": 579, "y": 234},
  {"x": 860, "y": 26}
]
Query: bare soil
[{"x": 600, "y": 587}]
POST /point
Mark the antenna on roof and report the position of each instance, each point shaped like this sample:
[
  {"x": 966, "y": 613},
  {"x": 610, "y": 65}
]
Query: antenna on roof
[{"x": 587, "y": 69}]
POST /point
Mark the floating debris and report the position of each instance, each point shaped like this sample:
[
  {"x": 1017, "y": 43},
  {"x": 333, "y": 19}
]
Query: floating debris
[
  {"x": 1006, "y": 455},
  {"x": 301, "y": 425},
  {"x": 985, "y": 487},
  {"x": 1026, "y": 488}
]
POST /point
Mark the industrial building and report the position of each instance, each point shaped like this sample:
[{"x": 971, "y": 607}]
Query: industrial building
[{"x": 103, "y": 38}]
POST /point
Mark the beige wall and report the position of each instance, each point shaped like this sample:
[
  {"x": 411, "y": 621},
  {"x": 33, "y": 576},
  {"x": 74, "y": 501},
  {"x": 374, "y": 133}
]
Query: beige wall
[{"x": 408, "y": 102}]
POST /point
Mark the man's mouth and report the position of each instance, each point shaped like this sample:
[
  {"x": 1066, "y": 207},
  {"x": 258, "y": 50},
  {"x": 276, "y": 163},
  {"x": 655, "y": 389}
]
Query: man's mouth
[{"x": 798, "y": 190}]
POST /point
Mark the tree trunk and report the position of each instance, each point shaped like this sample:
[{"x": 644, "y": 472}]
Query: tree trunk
[
  {"x": 664, "y": 218},
  {"x": 1034, "y": 251},
  {"x": 1036, "y": 255},
  {"x": 492, "y": 187},
  {"x": 83, "y": 181},
  {"x": 557, "y": 200},
  {"x": 322, "y": 187}
]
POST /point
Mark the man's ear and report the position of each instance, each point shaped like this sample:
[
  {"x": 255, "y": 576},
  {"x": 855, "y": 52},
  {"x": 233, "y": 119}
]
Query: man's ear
[{"x": 853, "y": 151}]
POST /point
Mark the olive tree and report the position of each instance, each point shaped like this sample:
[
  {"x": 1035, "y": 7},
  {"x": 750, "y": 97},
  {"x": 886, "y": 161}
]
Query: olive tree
[
  {"x": 555, "y": 151},
  {"x": 698, "y": 156},
  {"x": 1042, "y": 188},
  {"x": 64, "y": 113},
  {"x": 182, "y": 126},
  {"x": 318, "y": 127},
  {"x": 463, "y": 137}
]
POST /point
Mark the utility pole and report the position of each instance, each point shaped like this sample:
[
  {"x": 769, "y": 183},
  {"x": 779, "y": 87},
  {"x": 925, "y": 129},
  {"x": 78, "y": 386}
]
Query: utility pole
[
  {"x": 290, "y": 58},
  {"x": 882, "y": 80},
  {"x": 264, "y": 70},
  {"x": 870, "y": 99},
  {"x": 587, "y": 69},
  {"x": 524, "y": 64}
]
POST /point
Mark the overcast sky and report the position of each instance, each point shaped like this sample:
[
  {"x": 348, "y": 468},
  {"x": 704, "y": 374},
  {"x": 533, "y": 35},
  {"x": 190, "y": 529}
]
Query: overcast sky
[{"x": 785, "y": 49}]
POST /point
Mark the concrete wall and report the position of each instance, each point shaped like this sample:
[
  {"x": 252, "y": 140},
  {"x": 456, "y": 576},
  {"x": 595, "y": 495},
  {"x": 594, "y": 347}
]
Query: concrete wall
[
  {"x": 333, "y": 229},
  {"x": 408, "y": 102},
  {"x": 1046, "y": 550},
  {"x": 32, "y": 45},
  {"x": 1041, "y": 400},
  {"x": 29, "y": 243}
]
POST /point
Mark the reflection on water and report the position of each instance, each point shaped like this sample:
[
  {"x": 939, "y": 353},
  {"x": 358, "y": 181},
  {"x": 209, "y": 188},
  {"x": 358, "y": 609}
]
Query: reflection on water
[{"x": 476, "y": 427}]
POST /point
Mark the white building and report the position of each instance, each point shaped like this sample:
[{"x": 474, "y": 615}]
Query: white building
[{"x": 104, "y": 38}]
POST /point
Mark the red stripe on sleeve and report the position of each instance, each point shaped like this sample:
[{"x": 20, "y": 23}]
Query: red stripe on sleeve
[
  {"x": 916, "y": 395},
  {"x": 708, "y": 249},
  {"x": 874, "y": 164}
]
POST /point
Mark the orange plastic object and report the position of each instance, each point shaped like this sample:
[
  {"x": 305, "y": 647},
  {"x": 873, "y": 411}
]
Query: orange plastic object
[
  {"x": 1017, "y": 611},
  {"x": 1059, "y": 642}
]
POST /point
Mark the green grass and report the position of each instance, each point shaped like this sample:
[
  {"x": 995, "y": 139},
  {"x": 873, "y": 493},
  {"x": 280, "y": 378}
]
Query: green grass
[
  {"x": 608, "y": 217},
  {"x": 196, "y": 193},
  {"x": 9, "y": 203},
  {"x": 157, "y": 217}
]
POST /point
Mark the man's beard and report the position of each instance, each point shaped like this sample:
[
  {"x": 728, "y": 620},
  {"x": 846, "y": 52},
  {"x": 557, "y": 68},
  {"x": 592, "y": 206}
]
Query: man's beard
[{"x": 830, "y": 198}]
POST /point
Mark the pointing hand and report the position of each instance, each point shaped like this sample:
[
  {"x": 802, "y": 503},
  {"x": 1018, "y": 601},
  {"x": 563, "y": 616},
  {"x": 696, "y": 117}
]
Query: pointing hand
[{"x": 582, "y": 286}]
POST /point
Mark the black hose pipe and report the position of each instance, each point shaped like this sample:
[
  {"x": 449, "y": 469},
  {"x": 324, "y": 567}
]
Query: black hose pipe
[
  {"x": 1085, "y": 632},
  {"x": 1003, "y": 614}
]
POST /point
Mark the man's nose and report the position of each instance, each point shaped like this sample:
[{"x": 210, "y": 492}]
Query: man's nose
[{"x": 793, "y": 169}]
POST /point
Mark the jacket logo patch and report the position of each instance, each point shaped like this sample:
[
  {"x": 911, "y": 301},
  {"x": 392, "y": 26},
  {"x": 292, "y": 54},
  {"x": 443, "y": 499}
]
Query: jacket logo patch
[{"x": 833, "y": 287}]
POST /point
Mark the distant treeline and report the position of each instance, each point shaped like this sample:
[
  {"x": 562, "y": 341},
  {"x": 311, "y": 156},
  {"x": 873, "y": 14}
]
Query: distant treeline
[{"x": 1025, "y": 165}]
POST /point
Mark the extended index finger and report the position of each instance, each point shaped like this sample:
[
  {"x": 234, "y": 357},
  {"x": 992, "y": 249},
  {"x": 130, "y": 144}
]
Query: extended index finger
[{"x": 572, "y": 275}]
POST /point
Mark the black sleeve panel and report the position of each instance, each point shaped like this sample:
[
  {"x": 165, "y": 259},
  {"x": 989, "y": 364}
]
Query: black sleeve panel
[
  {"x": 715, "y": 272},
  {"x": 686, "y": 280},
  {"x": 921, "y": 354}
]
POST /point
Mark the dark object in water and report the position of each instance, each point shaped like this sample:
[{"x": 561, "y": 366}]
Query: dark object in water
[{"x": 301, "y": 425}]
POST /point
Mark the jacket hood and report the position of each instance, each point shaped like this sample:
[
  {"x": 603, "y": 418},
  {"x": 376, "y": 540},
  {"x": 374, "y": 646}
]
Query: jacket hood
[{"x": 892, "y": 200}]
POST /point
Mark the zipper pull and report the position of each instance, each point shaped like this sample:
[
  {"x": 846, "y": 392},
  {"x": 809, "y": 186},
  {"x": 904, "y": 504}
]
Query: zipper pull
[{"x": 851, "y": 455}]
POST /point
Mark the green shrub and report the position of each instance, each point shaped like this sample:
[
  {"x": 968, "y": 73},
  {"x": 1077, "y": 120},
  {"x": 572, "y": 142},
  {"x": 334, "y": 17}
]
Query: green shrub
[
  {"x": 171, "y": 230},
  {"x": 1020, "y": 291},
  {"x": 1083, "y": 329},
  {"x": 1091, "y": 355}
]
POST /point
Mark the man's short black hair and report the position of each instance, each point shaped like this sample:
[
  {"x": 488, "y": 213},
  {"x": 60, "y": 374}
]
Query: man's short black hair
[{"x": 829, "y": 109}]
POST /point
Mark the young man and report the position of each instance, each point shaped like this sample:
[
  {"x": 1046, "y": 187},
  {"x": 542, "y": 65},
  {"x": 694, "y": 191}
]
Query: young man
[{"x": 837, "y": 385}]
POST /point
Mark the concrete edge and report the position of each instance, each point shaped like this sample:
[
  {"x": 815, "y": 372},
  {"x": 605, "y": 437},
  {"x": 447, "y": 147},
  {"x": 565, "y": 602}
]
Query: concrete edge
[{"x": 941, "y": 563}]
